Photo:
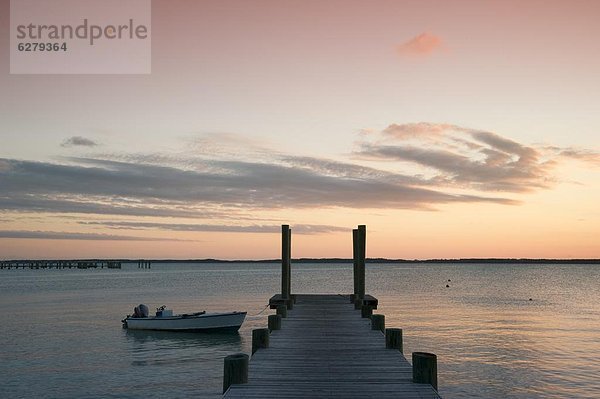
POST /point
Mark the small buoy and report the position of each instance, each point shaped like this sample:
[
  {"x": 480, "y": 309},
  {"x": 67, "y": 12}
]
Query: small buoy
[
  {"x": 449, "y": 280},
  {"x": 447, "y": 286},
  {"x": 531, "y": 299}
]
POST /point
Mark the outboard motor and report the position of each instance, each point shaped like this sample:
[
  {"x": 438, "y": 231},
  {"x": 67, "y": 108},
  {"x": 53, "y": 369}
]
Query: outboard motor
[
  {"x": 141, "y": 311},
  {"x": 144, "y": 311}
]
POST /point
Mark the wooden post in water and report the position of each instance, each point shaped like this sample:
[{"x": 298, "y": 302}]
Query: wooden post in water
[
  {"x": 285, "y": 262},
  {"x": 354, "y": 263},
  {"x": 378, "y": 322},
  {"x": 274, "y": 322},
  {"x": 393, "y": 339},
  {"x": 425, "y": 368},
  {"x": 260, "y": 339},
  {"x": 235, "y": 370},
  {"x": 362, "y": 251}
]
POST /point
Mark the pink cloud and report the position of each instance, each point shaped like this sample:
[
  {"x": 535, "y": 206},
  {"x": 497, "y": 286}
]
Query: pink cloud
[
  {"x": 421, "y": 45},
  {"x": 418, "y": 130}
]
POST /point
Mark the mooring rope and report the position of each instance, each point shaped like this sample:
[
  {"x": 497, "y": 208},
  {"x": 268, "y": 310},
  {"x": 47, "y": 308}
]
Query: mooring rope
[{"x": 259, "y": 313}]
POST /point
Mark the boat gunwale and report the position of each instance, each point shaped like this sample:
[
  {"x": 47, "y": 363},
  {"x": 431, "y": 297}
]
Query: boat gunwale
[
  {"x": 181, "y": 317},
  {"x": 191, "y": 330}
]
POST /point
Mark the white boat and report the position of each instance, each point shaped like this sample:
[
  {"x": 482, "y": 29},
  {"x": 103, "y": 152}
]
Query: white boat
[{"x": 165, "y": 320}]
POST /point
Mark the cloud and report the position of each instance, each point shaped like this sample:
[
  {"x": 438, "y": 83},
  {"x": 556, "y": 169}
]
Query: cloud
[
  {"x": 470, "y": 158},
  {"x": 297, "y": 229},
  {"x": 421, "y": 45},
  {"x": 78, "y": 141},
  {"x": 426, "y": 165},
  {"x": 73, "y": 204},
  {"x": 222, "y": 186},
  {"x": 417, "y": 130},
  {"x": 59, "y": 235},
  {"x": 227, "y": 145},
  {"x": 583, "y": 155},
  {"x": 216, "y": 189}
]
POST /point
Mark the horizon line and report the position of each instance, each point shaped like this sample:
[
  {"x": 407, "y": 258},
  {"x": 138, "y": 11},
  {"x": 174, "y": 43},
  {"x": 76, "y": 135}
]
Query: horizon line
[{"x": 331, "y": 260}]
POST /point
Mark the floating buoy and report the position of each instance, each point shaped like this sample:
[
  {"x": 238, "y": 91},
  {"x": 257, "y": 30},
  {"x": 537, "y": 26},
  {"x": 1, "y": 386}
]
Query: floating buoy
[
  {"x": 531, "y": 299},
  {"x": 449, "y": 280},
  {"x": 447, "y": 286}
]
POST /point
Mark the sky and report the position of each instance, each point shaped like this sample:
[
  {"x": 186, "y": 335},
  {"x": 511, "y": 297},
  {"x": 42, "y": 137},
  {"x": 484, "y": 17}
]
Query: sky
[{"x": 451, "y": 129}]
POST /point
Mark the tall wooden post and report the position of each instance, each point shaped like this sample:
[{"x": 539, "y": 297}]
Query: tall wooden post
[
  {"x": 289, "y": 262},
  {"x": 362, "y": 252},
  {"x": 285, "y": 261},
  {"x": 355, "y": 262}
]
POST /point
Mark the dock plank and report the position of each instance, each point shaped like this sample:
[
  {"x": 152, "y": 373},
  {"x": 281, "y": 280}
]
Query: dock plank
[{"x": 326, "y": 350}]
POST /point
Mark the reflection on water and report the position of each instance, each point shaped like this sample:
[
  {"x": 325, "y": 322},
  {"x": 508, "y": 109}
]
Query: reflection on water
[
  {"x": 62, "y": 335},
  {"x": 152, "y": 348},
  {"x": 493, "y": 340},
  {"x": 181, "y": 340}
]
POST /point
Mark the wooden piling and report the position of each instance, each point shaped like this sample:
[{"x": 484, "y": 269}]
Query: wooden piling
[
  {"x": 355, "y": 263},
  {"x": 378, "y": 322},
  {"x": 235, "y": 370},
  {"x": 366, "y": 311},
  {"x": 362, "y": 251},
  {"x": 393, "y": 339},
  {"x": 425, "y": 368},
  {"x": 358, "y": 303},
  {"x": 260, "y": 339},
  {"x": 289, "y": 262},
  {"x": 274, "y": 322},
  {"x": 285, "y": 261},
  {"x": 315, "y": 356},
  {"x": 282, "y": 310}
]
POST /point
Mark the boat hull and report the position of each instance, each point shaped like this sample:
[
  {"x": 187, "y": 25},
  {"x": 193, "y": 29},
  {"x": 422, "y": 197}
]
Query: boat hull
[{"x": 211, "y": 322}]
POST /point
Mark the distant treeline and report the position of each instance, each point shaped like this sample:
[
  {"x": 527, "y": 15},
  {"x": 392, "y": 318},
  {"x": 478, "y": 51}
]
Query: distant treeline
[
  {"x": 345, "y": 260},
  {"x": 384, "y": 260}
]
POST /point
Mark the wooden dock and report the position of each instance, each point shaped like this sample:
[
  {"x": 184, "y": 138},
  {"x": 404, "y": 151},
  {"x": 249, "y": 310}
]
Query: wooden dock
[
  {"x": 328, "y": 346},
  {"x": 59, "y": 264},
  {"x": 325, "y": 349}
]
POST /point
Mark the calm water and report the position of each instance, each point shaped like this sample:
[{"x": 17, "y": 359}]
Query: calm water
[{"x": 62, "y": 337}]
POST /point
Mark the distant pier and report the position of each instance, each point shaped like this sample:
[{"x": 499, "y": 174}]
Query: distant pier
[
  {"x": 328, "y": 346},
  {"x": 59, "y": 264}
]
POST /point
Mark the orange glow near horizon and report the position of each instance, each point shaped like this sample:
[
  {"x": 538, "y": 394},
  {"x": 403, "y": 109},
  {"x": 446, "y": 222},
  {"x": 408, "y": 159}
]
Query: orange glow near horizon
[{"x": 452, "y": 130}]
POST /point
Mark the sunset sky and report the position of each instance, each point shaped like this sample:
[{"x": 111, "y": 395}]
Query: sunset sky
[{"x": 450, "y": 128}]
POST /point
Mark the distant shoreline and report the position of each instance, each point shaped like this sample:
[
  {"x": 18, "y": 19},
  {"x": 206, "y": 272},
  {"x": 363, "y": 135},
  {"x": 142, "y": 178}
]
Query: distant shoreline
[{"x": 348, "y": 260}]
